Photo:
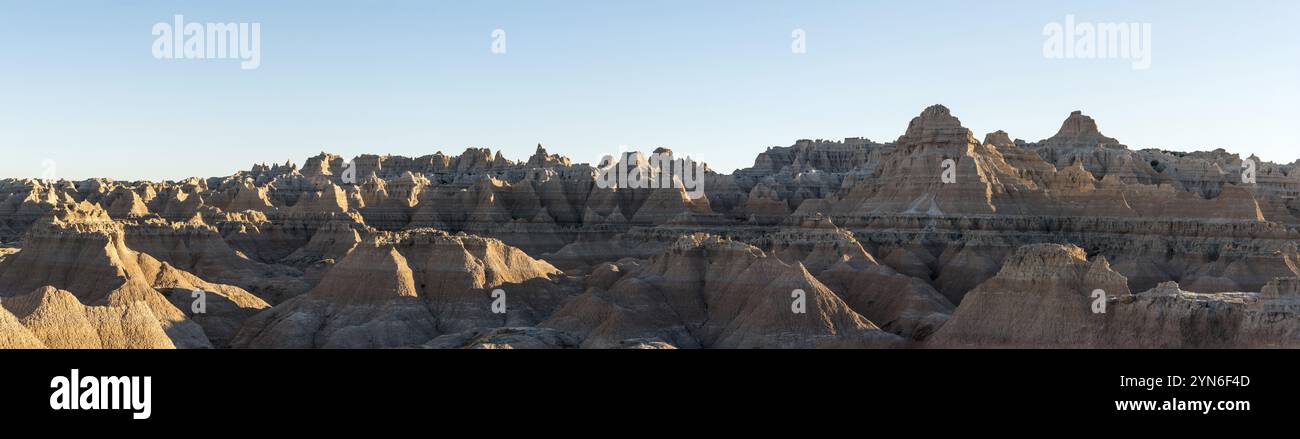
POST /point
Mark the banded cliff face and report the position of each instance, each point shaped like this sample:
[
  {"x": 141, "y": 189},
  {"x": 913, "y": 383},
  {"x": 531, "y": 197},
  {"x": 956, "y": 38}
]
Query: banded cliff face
[
  {"x": 406, "y": 288},
  {"x": 1051, "y": 295},
  {"x": 709, "y": 292},
  {"x": 898, "y": 303},
  {"x": 78, "y": 255},
  {"x": 935, "y": 239}
]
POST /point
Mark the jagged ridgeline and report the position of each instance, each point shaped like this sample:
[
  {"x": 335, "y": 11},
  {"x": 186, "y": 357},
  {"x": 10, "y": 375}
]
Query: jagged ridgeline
[{"x": 937, "y": 239}]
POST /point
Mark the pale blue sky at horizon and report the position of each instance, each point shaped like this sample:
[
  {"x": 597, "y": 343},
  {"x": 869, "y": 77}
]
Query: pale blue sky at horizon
[{"x": 716, "y": 80}]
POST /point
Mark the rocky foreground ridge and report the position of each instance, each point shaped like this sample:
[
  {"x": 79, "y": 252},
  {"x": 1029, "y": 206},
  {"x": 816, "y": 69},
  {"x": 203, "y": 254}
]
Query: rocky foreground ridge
[{"x": 937, "y": 239}]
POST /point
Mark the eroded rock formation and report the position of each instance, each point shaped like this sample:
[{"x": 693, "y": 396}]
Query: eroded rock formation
[{"x": 935, "y": 239}]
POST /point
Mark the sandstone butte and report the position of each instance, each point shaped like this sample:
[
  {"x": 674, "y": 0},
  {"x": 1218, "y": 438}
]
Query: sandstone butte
[{"x": 937, "y": 239}]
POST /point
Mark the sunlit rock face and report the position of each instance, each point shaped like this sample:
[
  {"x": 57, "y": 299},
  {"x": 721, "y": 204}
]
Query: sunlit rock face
[{"x": 935, "y": 239}]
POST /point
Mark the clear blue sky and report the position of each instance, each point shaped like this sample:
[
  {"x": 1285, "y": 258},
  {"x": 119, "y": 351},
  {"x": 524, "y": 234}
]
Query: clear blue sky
[{"x": 716, "y": 79}]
